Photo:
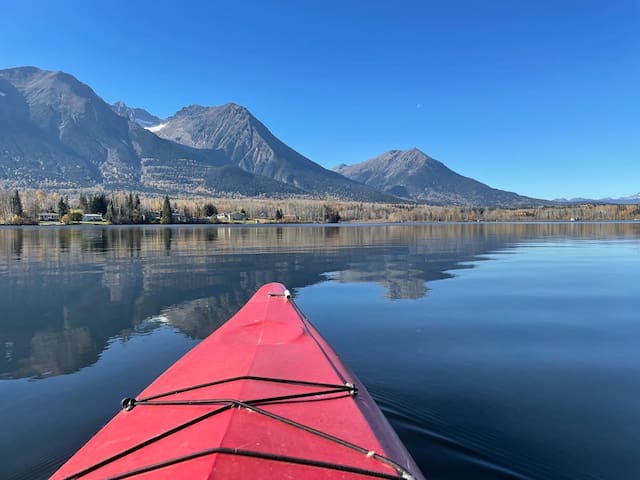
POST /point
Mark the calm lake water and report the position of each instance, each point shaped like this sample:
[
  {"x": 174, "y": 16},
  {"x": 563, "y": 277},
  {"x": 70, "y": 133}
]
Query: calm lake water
[{"x": 497, "y": 351}]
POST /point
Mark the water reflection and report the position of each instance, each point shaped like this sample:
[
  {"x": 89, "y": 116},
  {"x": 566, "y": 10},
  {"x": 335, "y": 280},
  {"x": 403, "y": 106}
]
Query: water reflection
[
  {"x": 67, "y": 291},
  {"x": 167, "y": 233},
  {"x": 17, "y": 244}
]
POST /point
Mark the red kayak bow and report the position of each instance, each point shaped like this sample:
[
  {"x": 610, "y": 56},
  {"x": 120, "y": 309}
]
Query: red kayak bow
[{"x": 263, "y": 397}]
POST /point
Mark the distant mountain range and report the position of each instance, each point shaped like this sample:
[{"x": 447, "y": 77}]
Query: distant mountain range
[
  {"x": 56, "y": 133},
  {"x": 630, "y": 200}
]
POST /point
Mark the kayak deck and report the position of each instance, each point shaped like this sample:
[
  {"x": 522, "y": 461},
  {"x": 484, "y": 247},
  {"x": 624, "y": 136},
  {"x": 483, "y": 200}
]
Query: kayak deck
[{"x": 262, "y": 397}]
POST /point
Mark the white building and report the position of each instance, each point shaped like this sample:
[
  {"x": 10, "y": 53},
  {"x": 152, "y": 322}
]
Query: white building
[
  {"x": 91, "y": 217},
  {"x": 232, "y": 217},
  {"x": 48, "y": 217}
]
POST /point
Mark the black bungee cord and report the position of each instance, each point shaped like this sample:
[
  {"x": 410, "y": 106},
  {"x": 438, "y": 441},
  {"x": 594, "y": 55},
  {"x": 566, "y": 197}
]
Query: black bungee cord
[{"x": 330, "y": 391}]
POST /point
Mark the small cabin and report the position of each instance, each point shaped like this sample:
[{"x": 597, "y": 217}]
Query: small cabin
[
  {"x": 91, "y": 217},
  {"x": 48, "y": 217},
  {"x": 178, "y": 217},
  {"x": 232, "y": 217}
]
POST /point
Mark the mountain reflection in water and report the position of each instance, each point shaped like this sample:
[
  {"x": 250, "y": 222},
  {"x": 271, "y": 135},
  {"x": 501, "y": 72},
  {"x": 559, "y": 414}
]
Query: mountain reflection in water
[{"x": 67, "y": 291}]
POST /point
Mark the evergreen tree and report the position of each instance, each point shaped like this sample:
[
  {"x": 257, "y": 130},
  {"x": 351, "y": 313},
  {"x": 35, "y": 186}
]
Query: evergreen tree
[
  {"x": 16, "y": 204},
  {"x": 136, "y": 214},
  {"x": 166, "y": 211},
  {"x": 210, "y": 210},
  {"x": 98, "y": 204},
  {"x": 63, "y": 207},
  {"x": 279, "y": 214}
]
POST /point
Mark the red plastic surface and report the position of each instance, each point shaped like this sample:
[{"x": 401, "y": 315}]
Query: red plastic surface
[{"x": 268, "y": 337}]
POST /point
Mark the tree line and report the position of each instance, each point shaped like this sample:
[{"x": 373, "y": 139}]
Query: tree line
[{"x": 23, "y": 207}]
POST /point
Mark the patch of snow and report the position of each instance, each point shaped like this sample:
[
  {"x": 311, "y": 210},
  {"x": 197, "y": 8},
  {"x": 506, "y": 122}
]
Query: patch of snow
[
  {"x": 156, "y": 128},
  {"x": 2, "y": 94}
]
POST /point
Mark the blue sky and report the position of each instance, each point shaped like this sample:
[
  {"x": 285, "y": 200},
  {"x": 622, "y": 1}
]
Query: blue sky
[{"x": 538, "y": 97}]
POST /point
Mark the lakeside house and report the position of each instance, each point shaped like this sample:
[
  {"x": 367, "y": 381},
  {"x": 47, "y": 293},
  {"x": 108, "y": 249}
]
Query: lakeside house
[
  {"x": 232, "y": 217},
  {"x": 92, "y": 217},
  {"x": 48, "y": 217},
  {"x": 178, "y": 217}
]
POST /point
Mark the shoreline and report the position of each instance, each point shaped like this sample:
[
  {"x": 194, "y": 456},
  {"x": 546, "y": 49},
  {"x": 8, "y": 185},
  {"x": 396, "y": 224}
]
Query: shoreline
[{"x": 323, "y": 224}]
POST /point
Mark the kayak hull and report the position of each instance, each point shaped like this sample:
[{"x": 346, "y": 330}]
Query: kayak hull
[{"x": 271, "y": 400}]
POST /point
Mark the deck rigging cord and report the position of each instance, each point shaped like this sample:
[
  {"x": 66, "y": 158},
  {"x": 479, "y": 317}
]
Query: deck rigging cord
[{"x": 329, "y": 391}]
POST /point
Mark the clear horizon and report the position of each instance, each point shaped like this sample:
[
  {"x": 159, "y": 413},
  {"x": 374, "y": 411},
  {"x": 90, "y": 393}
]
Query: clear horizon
[{"x": 539, "y": 98}]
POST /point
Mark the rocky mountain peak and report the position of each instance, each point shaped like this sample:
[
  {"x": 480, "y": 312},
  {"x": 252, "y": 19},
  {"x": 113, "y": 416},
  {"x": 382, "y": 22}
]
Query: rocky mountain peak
[
  {"x": 227, "y": 110},
  {"x": 250, "y": 145},
  {"x": 414, "y": 175},
  {"x": 190, "y": 110},
  {"x": 137, "y": 115},
  {"x": 120, "y": 107},
  {"x": 235, "y": 108}
]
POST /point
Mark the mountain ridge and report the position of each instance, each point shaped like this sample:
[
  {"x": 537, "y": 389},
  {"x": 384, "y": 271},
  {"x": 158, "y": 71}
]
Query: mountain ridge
[
  {"x": 627, "y": 200},
  {"x": 254, "y": 148},
  {"x": 58, "y": 133},
  {"x": 414, "y": 175}
]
